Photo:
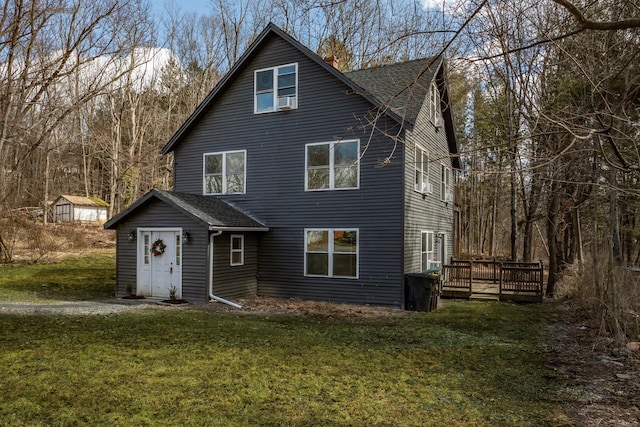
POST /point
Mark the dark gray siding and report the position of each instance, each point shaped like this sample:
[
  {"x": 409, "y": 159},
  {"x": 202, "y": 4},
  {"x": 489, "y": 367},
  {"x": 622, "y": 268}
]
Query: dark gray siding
[
  {"x": 240, "y": 280},
  {"x": 194, "y": 252},
  {"x": 275, "y": 144},
  {"x": 428, "y": 213}
]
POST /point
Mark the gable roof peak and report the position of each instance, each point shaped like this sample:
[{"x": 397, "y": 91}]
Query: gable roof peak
[{"x": 270, "y": 30}]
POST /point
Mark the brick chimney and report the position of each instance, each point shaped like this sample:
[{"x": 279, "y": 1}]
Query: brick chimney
[{"x": 332, "y": 60}]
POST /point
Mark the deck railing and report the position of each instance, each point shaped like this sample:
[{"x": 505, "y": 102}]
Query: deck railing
[{"x": 519, "y": 281}]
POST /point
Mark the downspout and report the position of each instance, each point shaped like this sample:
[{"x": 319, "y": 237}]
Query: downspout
[{"x": 212, "y": 297}]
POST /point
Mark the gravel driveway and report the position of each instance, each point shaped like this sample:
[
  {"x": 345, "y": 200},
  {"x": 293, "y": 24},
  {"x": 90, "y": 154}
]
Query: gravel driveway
[{"x": 77, "y": 307}]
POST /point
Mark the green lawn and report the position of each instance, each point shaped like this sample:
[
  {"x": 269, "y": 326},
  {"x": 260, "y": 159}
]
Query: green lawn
[
  {"x": 73, "y": 279},
  {"x": 468, "y": 364}
]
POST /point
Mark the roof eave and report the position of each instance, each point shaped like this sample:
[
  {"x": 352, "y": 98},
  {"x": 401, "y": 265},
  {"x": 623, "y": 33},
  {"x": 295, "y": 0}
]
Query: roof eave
[
  {"x": 452, "y": 140},
  {"x": 239, "y": 65},
  {"x": 113, "y": 222},
  {"x": 217, "y": 228}
]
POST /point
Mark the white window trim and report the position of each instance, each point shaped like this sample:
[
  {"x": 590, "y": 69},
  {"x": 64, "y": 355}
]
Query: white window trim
[
  {"x": 179, "y": 248},
  {"x": 429, "y": 254},
  {"x": 232, "y": 251},
  {"x": 275, "y": 88},
  {"x": 224, "y": 171},
  {"x": 440, "y": 243},
  {"x": 445, "y": 184},
  {"x": 434, "y": 99},
  {"x": 424, "y": 171},
  {"x": 331, "y": 166},
  {"x": 331, "y": 252}
]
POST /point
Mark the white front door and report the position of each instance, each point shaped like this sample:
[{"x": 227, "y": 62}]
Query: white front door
[{"x": 159, "y": 262}]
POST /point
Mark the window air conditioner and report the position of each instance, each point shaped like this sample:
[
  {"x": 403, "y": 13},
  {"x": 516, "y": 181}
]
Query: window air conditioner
[
  {"x": 426, "y": 187},
  {"x": 286, "y": 102},
  {"x": 448, "y": 197},
  {"x": 439, "y": 122}
]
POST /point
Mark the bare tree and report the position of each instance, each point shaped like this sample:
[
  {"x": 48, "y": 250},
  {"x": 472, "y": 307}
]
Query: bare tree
[{"x": 45, "y": 45}]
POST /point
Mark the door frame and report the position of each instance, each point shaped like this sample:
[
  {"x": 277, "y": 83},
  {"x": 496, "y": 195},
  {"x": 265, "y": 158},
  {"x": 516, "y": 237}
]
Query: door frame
[{"x": 140, "y": 257}]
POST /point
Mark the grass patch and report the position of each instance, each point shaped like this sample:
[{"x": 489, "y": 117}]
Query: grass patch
[
  {"x": 83, "y": 278},
  {"x": 466, "y": 364}
]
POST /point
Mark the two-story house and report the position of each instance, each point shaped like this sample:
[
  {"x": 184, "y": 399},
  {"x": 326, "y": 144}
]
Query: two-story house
[{"x": 292, "y": 179}]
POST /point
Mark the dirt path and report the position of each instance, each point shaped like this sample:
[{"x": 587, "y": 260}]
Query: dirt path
[
  {"x": 65, "y": 308},
  {"x": 602, "y": 385}
]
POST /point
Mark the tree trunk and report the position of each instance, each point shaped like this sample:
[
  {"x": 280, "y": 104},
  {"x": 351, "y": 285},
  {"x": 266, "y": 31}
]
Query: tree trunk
[
  {"x": 615, "y": 222},
  {"x": 552, "y": 238},
  {"x": 514, "y": 219},
  {"x": 45, "y": 204},
  {"x": 577, "y": 236},
  {"x": 494, "y": 212},
  {"x": 595, "y": 258}
]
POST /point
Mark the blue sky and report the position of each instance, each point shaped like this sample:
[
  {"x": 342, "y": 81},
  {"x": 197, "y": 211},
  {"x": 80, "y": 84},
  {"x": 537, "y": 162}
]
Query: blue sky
[{"x": 200, "y": 6}]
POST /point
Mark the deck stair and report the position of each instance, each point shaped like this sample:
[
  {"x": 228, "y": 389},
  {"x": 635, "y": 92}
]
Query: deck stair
[{"x": 482, "y": 296}]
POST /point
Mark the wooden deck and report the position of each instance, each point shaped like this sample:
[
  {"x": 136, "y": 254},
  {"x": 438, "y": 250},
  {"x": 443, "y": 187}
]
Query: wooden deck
[{"x": 494, "y": 280}]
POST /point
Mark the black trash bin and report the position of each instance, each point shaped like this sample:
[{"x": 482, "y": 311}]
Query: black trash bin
[{"x": 419, "y": 288}]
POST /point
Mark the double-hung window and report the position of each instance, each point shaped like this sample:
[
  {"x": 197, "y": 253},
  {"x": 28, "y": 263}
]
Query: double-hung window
[
  {"x": 422, "y": 171},
  {"x": 428, "y": 258},
  {"x": 276, "y": 88},
  {"x": 332, "y": 165},
  {"x": 331, "y": 252},
  {"x": 445, "y": 184},
  {"x": 237, "y": 249},
  {"x": 224, "y": 173}
]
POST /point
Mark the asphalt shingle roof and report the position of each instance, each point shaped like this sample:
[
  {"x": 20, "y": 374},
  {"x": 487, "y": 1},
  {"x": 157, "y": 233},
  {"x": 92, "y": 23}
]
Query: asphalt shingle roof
[
  {"x": 402, "y": 87},
  {"x": 214, "y": 212}
]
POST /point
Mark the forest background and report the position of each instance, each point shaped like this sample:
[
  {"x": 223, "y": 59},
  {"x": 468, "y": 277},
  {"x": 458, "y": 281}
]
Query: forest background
[{"x": 545, "y": 95}]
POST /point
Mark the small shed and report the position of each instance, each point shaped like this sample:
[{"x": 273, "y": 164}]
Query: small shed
[{"x": 79, "y": 209}]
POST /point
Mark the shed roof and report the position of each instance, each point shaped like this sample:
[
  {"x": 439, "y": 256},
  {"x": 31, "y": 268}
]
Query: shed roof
[
  {"x": 216, "y": 213},
  {"x": 82, "y": 201}
]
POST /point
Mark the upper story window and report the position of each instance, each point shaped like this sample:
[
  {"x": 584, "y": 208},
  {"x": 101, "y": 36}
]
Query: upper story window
[
  {"x": 276, "y": 88},
  {"x": 224, "y": 173},
  {"x": 422, "y": 183},
  {"x": 435, "y": 113},
  {"x": 332, "y": 165},
  {"x": 445, "y": 184}
]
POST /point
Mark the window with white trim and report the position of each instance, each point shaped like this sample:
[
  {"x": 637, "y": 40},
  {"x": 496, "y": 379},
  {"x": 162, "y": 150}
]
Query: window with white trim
[
  {"x": 332, "y": 165},
  {"x": 422, "y": 171},
  {"x": 237, "y": 249},
  {"x": 331, "y": 252},
  {"x": 445, "y": 184},
  {"x": 428, "y": 255},
  {"x": 434, "y": 105},
  {"x": 224, "y": 173},
  {"x": 276, "y": 88}
]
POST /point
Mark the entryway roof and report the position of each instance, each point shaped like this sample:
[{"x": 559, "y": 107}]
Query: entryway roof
[{"x": 216, "y": 213}]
